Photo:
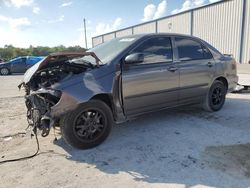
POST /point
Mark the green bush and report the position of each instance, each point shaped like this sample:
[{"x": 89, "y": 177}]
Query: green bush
[{"x": 9, "y": 52}]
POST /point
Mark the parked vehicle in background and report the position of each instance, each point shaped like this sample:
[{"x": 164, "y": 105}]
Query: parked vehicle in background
[
  {"x": 19, "y": 64},
  {"x": 1, "y": 61},
  {"x": 122, "y": 79}
]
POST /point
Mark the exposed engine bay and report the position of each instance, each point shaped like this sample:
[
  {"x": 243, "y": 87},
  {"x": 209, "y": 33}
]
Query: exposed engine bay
[
  {"x": 51, "y": 74},
  {"x": 40, "y": 96}
]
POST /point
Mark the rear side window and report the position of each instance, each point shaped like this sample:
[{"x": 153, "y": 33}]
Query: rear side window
[
  {"x": 207, "y": 54},
  {"x": 32, "y": 60},
  {"x": 191, "y": 50},
  {"x": 156, "y": 50},
  {"x": 23, "y": 60}
]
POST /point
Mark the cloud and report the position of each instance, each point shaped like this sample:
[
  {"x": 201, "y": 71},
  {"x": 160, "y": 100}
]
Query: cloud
[
  {"x": 18, "y": 37},
  {"x": 161, "y": 10},
  {"x": 36, "y": 10},
  {"x": 66, "y": 4},
  {"x": 60, "y": 19},
  {"x": 105, "y": 28},
  {"x": 92, "y": 31},
  {"x": 152, "y": 12},
  {"x": 18, "y": 3},
  {"x": 149, "y": 12},
  {"x": 15, "y": 23},
  {"x": 189, "y": 4}
]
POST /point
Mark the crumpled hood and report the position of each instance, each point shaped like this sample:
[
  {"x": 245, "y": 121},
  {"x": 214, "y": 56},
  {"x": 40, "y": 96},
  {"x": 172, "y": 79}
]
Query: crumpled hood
[
  {"x": 30, "y": 72},
  {"x": 52, "y": 59}
]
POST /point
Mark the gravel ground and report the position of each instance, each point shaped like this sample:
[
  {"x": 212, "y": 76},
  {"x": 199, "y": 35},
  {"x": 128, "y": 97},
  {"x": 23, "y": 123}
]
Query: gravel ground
[{"x": 175, "y": 148}]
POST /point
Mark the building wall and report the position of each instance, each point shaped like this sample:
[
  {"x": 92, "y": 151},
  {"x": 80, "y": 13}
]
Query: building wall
[
  {"x": 96, "y": 41},
  {"x": 145, "y": 28},
  {"x": 176, "y": 24},
  {"x": 246, "y": 41},
  {"x": 220, "y": 25},
  {"x": 124, "y": 32},
  {"x": 108, "y": 37}
]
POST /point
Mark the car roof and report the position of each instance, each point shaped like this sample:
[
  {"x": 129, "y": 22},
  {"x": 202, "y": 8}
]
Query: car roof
[
  {"x": 158, "y": 34},
  {"x": 214, "y": 51}
]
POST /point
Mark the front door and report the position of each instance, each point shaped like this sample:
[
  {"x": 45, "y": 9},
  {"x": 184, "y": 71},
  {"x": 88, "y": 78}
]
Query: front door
[
  {"x": 19, "y": 65},
  {"x": 152, "y": 84}
]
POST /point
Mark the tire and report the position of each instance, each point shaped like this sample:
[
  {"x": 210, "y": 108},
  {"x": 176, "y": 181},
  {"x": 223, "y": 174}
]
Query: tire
[
  {"x": 216, "y": 96},
  {"x": 4, "y": 71},
  {"x": 87, "y": 126}
]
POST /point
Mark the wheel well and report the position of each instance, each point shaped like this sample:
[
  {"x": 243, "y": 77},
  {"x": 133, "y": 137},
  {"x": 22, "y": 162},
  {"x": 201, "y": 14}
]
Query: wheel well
[
  {"x": 105, "y": 98},
  {"x": 223, "y": 80}
]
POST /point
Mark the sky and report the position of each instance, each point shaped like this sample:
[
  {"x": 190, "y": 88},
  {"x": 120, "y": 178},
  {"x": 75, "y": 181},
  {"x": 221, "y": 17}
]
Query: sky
[{"x": 60, "y": 22}]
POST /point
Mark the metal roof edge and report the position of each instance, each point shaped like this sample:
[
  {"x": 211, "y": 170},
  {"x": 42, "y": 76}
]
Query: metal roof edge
[{"x": 162, "y": 18}]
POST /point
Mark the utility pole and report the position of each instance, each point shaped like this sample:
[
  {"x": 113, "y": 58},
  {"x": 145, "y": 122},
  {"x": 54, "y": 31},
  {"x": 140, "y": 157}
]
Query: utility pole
[{"x": 85, "y": 33}]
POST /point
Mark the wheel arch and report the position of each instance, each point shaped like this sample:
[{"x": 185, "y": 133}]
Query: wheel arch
[
  {"x": 223, "y": 80},
  {"x": 106, "y": 98}
]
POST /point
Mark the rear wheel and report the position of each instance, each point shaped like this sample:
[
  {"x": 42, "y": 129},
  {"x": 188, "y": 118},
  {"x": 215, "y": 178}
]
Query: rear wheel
[
  {"x": 4, "y": 71},
  {"x": 216, "y": 96},
  {"x": 87, "y": 126}
]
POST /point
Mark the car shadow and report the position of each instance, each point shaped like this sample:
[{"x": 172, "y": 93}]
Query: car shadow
[{"x": 168, "y": 146}]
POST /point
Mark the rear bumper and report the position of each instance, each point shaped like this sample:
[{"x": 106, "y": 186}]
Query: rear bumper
[{"x": 232, "y": 83}]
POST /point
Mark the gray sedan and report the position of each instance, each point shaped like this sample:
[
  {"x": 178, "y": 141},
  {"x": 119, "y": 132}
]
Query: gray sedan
[{"x": 85, "y": 93}]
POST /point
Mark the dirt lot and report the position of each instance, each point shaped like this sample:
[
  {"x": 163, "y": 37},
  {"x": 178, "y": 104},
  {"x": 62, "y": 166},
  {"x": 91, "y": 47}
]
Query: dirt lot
[{"x": 176, "y": 148}]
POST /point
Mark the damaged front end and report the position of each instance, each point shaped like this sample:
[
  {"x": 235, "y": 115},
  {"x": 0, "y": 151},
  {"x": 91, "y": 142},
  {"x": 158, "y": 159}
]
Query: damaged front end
[
  {"x": 46, "y": 104},
  {"x": 39, "y": 104}
]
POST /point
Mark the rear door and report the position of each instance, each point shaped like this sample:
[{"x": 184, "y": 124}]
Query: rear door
[
  {"x": 31, "y": 61},
  {"x": 152, "y": 84},
  {"x": 196, "y": 66}
]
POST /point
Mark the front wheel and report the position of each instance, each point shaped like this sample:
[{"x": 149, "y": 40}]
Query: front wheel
[
  {"x": 4, "y": 71},
  {"x": 87, "y": 126},
  {"x": 216, "y": 96}
]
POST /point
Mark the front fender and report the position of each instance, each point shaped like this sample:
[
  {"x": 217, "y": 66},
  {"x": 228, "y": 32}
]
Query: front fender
[
  {"x": 85, "y": 86},
  {"x": 79, "y": 90}
]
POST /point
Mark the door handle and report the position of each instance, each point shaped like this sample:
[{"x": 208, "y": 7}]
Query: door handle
[
  {"x": 172, "y": 69},
  {"x": 209, "y": 64}
]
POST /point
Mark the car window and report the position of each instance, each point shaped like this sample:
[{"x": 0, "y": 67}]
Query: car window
[
  {"x": 156, "y": 50},
  {"x": 23, "y": 60},
  {"x": 207, "y": 53},
  {"x": 33, "y": 60},
  {"x": 16, "y": 61},
  {"x": 107, "y": 51},
  {"x": 19, "y": 60},
  {"x": 191, "y": 50}
]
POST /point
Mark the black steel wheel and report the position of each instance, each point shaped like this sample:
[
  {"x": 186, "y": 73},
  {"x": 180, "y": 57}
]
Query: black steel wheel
[
  {"x": 216, "y": 96},
  {"x": 4, "y": 71},
  {"x": 87, "y": 126}
]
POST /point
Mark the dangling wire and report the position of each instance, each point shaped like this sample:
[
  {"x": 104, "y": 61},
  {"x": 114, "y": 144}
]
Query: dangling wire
[
  {"x": 28, "y": 157},
  {"x": 24, "y": 158}
]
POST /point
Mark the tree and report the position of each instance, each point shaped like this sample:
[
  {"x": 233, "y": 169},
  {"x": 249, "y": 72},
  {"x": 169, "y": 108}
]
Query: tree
[{"x": 9, "y": 52}]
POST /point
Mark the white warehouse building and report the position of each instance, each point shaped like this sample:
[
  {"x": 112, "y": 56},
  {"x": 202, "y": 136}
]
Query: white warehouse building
[{"x": 225, "y": 25}]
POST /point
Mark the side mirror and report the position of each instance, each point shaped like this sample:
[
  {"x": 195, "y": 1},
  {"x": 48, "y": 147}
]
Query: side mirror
[{"x": 134, "y": 58}]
